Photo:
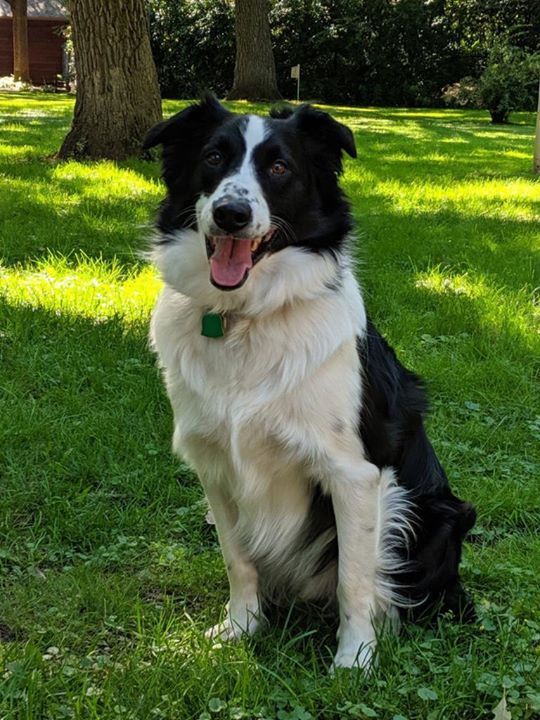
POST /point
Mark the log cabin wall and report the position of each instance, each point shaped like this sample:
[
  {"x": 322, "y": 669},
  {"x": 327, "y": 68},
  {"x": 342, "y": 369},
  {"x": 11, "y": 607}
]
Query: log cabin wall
[{"x": 45, "y": 44}]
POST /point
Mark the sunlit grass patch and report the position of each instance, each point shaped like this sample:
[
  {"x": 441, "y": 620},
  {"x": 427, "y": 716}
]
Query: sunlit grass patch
[
  {"x": 24, "y": 104},
  {"x": 517, "y": 199},
  {"x": 100, "y": 208},
  {"x": 497, "y": 309},
  {"x": 85, "y": 287},
  {"x": 15, "y": 153},
  {"x": 105, "y": 180}
]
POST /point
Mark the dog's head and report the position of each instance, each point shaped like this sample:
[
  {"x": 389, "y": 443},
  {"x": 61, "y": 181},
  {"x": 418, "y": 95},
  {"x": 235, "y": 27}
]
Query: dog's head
[{"x": 250, "y": 186}]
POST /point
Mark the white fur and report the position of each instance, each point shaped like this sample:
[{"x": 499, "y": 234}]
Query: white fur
[
  {"x": 262, "y": 412},
  {"x": 243, "y": 180}
]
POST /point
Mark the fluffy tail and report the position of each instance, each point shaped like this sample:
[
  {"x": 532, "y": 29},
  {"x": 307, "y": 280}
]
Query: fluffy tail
[{"x": 394, "y": 533}]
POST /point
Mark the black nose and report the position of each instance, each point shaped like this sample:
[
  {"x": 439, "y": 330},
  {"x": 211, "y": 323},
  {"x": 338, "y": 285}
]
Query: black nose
[{"x": 232, "y": 215}]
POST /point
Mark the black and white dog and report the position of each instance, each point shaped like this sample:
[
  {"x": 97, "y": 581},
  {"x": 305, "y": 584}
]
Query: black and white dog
[{"x": 305, "y": 430}]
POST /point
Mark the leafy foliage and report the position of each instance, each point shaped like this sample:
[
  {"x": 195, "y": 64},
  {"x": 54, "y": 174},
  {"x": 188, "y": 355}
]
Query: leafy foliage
[
  {"x": 193, "y": 45},
  {"x": 382, "y": 52},
  {"x": 509, "y": 81}
]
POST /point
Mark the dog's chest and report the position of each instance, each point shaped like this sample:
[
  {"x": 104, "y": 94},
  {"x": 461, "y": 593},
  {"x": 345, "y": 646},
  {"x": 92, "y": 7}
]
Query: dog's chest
[
  {"x": 258, "y": 363},
  {"x": 267, "y": 396},
  {"x": 258, "y": 411}
]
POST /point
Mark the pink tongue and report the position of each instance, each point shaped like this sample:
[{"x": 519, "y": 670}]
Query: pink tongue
[{"x": 230, "y": 261}]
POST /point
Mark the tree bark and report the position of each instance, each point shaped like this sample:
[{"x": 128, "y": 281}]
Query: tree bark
[
  {"x": 499, "y": 117},
  {"x": 254, "y": 70},
  {"x": 536, "y": 163},
  {"x": 21, "y": 62},
  {"x": 118, "y": 98}
]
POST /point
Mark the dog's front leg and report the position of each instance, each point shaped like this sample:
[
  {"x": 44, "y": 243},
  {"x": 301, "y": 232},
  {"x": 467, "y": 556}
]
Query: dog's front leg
[
  {"x": 243, "y": 609},
  {"x": 354, "y": 487}
]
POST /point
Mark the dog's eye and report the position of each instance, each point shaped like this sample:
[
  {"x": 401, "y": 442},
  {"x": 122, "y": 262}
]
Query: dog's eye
[
  {"x": 279, "y": 167},
  {"x": 214, "y": 158}
]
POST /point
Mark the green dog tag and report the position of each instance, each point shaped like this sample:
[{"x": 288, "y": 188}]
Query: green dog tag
[{"x": 212, "y": 325}]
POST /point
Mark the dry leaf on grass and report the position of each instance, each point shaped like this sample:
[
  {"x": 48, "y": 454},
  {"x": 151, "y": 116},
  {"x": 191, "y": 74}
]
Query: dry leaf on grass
[{"x": 501, "y": 712}]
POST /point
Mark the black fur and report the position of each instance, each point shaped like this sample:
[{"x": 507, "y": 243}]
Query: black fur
[
  {"x": 391, "y": 426},
  {"x": 392, "y": 430}
]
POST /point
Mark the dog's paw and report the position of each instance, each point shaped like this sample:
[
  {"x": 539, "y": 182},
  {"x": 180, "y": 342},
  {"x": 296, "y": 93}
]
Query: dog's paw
[
  {"x": 225, "y": 631},
  {"x": 230, "y": 630},
  {"x": 362, "y": 658}
]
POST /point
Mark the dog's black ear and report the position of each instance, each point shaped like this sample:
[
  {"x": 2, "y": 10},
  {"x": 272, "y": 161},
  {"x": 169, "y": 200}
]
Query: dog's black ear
[
  {"x": 194, "y": 120},
  {"x": 325, "y": 131}
]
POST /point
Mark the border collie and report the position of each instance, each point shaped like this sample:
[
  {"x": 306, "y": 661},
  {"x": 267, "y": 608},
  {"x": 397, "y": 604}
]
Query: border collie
[{"x": 305, "y": 430}]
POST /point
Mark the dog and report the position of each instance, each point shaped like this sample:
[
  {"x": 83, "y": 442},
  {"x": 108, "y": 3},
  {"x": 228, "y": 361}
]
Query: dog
[{"x": 304, "y": 428}]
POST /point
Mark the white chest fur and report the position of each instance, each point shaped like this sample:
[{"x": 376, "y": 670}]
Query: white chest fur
[
  {"x": 293, "y": 366},
  {"x": 258, "y": 411}
]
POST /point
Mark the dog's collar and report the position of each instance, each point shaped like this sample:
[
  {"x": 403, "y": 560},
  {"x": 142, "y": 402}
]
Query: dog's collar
[{"x": 213, "y": 325}]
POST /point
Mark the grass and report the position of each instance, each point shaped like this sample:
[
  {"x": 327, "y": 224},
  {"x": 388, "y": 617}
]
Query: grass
[{"x": 109, "y": 573}]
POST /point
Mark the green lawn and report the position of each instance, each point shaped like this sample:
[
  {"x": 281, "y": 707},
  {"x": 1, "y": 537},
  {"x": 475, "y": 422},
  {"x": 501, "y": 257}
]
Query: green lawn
[{"x": 109, "y": 573}]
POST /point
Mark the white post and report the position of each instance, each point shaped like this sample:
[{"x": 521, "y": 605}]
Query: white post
[
  {"x": 536, "y": 165},
  {"x": 295, "y": 74}
]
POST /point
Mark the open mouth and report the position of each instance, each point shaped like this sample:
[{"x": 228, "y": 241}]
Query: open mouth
[{"x": 231, "y": 258}]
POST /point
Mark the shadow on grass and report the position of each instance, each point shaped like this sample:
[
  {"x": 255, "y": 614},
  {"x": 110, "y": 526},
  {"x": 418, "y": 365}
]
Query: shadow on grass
[
  {"x": 45, "y": 210},
  {"x": 86, "y": 428}
]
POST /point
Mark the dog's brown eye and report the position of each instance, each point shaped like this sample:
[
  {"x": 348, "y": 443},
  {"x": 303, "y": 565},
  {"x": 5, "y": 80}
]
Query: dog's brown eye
[
  {"x": 279, "y": 167},
  {"x": 214, "y": 157}
]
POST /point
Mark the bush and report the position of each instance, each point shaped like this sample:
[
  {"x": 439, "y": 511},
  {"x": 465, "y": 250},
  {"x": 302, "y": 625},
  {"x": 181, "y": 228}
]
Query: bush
[
  {"x": 509, "y": 82},
  {"x": 463, "y": 94}
]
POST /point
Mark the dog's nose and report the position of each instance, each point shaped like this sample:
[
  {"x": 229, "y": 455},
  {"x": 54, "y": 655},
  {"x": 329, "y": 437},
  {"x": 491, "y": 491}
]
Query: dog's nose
[{"x": 232, "y": 215}]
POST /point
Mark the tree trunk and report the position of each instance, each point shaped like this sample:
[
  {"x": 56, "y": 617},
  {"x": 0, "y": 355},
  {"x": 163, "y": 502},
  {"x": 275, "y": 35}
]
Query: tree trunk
[
  {"x": 118, "y": 98},
  {"x": 499, "y": 117},
  {"x": 254, "y": 69},
  {"x": 536, "y": 165},
  {"x": 21, "y": 63}
]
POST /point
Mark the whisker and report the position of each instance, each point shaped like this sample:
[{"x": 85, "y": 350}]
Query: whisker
[
  {"x": 191, "y": 219},
  {"x": 284, "y": 227}
]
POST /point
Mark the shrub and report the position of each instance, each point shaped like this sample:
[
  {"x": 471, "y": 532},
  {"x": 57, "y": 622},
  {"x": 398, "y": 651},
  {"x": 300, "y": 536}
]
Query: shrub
[
  {"x": 464, "y": 93},
  {"x": 509, "y": 81}
]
